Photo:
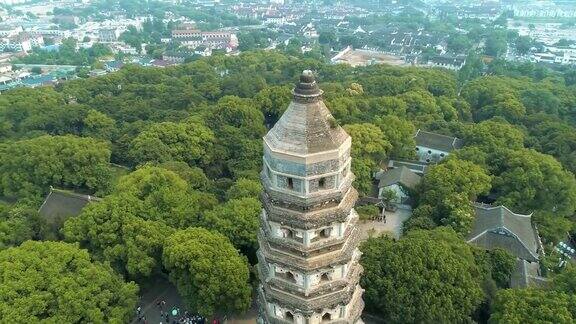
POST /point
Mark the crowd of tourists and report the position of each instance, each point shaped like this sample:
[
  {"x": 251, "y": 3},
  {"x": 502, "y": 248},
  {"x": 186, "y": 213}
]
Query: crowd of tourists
[{"x": 172, "y": 316}]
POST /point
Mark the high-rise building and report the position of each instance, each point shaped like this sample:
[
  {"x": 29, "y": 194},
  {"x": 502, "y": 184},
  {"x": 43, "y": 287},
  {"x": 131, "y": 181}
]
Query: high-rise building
[{"x": 308, "y": 256}]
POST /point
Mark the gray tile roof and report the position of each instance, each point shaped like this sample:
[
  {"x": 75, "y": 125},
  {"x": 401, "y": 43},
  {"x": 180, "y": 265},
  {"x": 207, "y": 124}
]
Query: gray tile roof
[
  {"x": 61, "y": 204},
  {"x": 416, "y": 166},
  {"x": 306, "y": 126},
  {"x": 437, "y": 141},
  {"x": 526, "y": 274},
  {"x": 498, "y": 227},
  {"x": 401, "y": 175}
]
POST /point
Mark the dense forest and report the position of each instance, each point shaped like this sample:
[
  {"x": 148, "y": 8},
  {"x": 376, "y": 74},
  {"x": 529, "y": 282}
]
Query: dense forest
[{"x": 190, "y": 137}]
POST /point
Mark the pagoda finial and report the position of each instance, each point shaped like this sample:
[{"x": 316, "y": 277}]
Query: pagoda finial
[{"x": 307, "y": 89}]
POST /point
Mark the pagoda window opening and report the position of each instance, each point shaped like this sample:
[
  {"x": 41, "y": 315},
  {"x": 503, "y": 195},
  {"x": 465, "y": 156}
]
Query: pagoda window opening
[
  {"x": 325, "y": 233},
  {"x": 327, "y": 317},
  {"x": 322, "y": 183},
  {"x": 289, "y": 316},
  {"x": 290, "y": 183},
  {"x": 290, "y": 277},
  {"x": 324, "y": 277},
  {"x": 288, "y": 233}
]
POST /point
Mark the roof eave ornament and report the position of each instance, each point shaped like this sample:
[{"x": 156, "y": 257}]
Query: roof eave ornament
[{"x": 307, "y": 89}]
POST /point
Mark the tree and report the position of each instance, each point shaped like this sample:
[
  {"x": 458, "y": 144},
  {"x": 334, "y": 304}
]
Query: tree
[
  {"x": 459, "y": 43},
  {"x": 98, "y": 125},
  {"x": 273, "y": 101},
  {"x": 29, "y": 167},
  {"x": 369, "y": 147},
  {"x": 523, "y": 44},
  {"x": 421, "y": 106},
  {"x": 189, "y": 142},
  {"x": 389, "y": 196},
  {"x": 498, "y": 264},
  {"x": 194, "y": 176},
  {"x": 238, "y": 220},
  {"x": 57, "y": 282},
  {"x": 425, "y": 277},
  {"x": 18, "y": 223},
  {"x": 129, "y": 227},
  {"x": 566, "y": 281},
  {"x": 526, "y": 180},
  {"x": 112, "y": 231},
  {"x": 552, "y": 228},
  {"x": 449, "y": 187},
  {"x": 494, "y": 134},
  {"x": 400, "y": 134},
  {"x": 517, "y": 306},
  {"x": 505, "y": 106},
  {"x": 244, "y": 188},
  {"x": 327, "y": 38},
  {"x": 495, "y": 44},
  {"x": 208, "y": 272}
]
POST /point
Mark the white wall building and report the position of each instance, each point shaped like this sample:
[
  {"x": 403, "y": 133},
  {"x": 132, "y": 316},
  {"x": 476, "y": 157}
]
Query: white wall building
[{"x": 432, "y": 147}]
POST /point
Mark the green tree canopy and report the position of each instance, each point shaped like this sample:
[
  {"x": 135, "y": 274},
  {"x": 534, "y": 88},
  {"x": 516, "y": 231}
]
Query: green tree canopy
[
  {"x": 566, "y": 280},
  {"x": 244, "y": 188},
  {"x": 450, "y": 187},
  {"x": 425, "y": 277},
  {"x": 57, "y": 282},
  {"x": 492, "y": 135},
  {"x": 129, "y": 227},
  {"x": 209, "y": 273},
  {"x": 237, "y": 219},
  {"x": 189, "y": 142},
  {"x": 400, "y": 134},
  {"x": 526, "y": 180},
  {"x": 369, "y": 147},
  {"x": 516, "y": 306},
  {"x": 18, "y": 223},
  {"x": 29, "y": 167}
]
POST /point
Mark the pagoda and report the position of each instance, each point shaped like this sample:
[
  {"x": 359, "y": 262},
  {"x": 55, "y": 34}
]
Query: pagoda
[{"x": 308, "y": 256}]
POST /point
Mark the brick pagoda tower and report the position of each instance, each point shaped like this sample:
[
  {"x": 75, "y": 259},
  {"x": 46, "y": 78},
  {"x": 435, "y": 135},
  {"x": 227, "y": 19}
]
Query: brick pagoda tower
[{"x": 308, "y": 256}]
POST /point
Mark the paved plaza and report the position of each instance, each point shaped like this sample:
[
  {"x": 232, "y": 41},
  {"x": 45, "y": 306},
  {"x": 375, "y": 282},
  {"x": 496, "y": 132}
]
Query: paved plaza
[
  {"x": 391, "y": 224},
  {"x": 161, "y": 290}
]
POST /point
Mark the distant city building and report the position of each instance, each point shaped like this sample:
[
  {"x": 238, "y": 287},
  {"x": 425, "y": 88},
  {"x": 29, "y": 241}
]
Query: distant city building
[
  {"x": 14, "y": 2},
  {"x": 176, "y": 57},
  {"x": 67, "y": 19},
  {"x": 309, "y": 31},
  {"x": 544, "y": 10},
  {"x": 432, "y": 147},
  {"x": 108, "y": 34},
  {"x": 454, "y": 63},
  {"x": 193, "y": 38},
  {"x": 22, "y": 42},
  {"x": 5, "y": 68}
]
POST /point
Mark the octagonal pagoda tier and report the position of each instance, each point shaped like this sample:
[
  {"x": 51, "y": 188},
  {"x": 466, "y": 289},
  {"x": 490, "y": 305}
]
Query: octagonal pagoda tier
[{"x": 308, "y": 258}]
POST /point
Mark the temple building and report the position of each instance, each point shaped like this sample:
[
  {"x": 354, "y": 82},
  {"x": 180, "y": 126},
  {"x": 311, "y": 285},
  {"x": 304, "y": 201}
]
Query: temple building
[{"x": 308, "y": 256}]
